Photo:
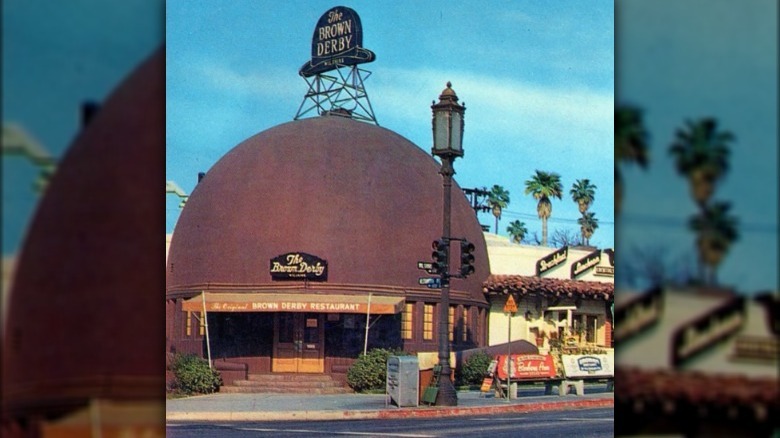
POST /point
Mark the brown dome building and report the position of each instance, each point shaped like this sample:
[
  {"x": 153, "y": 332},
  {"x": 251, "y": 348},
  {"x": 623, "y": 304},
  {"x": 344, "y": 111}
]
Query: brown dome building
[
  {"x": 356, "y": 200},
  {"x": 84, "y": 321}
]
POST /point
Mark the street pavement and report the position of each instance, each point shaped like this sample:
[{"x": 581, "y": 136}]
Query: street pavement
[{"x": 286, "y": 407}]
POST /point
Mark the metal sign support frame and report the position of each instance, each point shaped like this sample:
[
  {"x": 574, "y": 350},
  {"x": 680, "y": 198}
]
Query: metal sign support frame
[{"x": 344, "y": 91}]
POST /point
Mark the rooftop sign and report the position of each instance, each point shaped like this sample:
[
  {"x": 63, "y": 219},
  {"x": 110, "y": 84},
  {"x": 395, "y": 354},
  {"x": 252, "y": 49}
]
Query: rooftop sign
[
  {"x": 551, "y": 260},
  {"x": 586, "y": 263},
  {"x": 337, "y": 41}
]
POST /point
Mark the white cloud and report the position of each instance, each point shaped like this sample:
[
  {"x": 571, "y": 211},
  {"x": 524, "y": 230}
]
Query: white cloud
[
  {"x": 273, "y": 83},
  {"x": 544, "y": 115}
]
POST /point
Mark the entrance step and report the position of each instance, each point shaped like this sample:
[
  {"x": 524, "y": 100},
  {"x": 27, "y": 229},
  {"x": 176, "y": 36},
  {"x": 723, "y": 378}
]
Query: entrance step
[{"x": 287, "y": 383}]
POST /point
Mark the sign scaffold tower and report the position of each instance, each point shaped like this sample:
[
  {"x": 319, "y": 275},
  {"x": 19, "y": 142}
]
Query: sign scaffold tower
[{"x": 337, "y": 49}]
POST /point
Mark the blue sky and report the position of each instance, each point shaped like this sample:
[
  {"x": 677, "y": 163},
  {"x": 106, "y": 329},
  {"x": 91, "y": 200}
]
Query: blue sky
[
  {"x": 537, "y": 81},
  {"x": 55, "y": 56},
  {"x": 694, "y": 59},
  {"x": 536, "y": 78}
]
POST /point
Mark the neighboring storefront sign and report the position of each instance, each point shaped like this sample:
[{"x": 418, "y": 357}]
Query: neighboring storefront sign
[
  {"x": 700, "y": 334},
  {"x": 299, "y": 266},
  {"x": 586, "y": 263},
  {"x": 610, "y": 256},
  {"x": 638, "y": 315},
  {"x": 604, "y": 271},
  {"x": 587, "y": 365},
  {"x": 551, "y": 260},
  {"x": 337, "y": 41},
  {"x": 526, "y": 366}
]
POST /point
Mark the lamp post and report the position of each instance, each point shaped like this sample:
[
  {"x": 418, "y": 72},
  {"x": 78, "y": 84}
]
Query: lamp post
[{"x": 447, "y": 145}]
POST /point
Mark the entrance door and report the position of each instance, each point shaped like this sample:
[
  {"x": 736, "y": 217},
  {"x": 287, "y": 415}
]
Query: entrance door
[{"x": 298, "y": 343}]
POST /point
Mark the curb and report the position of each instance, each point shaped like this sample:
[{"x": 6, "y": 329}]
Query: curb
[{"x": 385, "y": 414}]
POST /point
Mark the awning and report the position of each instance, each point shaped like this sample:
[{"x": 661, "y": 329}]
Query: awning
[{"x": 275, "y": 302}]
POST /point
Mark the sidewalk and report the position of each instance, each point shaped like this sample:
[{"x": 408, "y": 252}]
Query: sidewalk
[{"x": 283, "y": 407}]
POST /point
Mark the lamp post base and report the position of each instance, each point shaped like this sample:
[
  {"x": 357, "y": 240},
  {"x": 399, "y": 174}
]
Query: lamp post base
[{"x": 447, "y": 396}]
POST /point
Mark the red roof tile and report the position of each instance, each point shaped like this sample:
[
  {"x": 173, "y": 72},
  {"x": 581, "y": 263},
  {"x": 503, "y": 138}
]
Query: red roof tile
[
  {"x": 695, "y": 388},
  {"x": 523, "y": 285}
]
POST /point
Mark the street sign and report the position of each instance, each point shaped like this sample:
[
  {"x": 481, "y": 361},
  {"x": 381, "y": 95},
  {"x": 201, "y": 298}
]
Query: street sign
[
  {"x": 510, "y": 306},
  {"x": 427, "y": 267},
  {"x": 429, "y": 281}
]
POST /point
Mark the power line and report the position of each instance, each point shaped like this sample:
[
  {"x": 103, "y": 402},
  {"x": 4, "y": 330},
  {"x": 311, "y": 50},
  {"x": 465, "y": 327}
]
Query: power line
[
  {"x": 668, "y": 222},
  {"x": 517, "y": 214}
]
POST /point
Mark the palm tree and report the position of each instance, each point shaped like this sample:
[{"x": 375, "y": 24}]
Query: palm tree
[
  {"x": 701, "y": 154},
  {"x": 543, "y": 186},
  {"x": 631, "y": 146},
  {"x": 583, "y": 193},
  {"x": 588, "y": 225},
  {"x": 498, "y": 199},
  {"x": 716, "y": 231},
  {"x": 517, "y": 231}
]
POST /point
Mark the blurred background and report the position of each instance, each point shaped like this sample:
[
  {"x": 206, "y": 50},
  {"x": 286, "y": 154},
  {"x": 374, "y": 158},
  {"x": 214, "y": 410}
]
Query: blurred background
[{"x": 696, "y": 153}]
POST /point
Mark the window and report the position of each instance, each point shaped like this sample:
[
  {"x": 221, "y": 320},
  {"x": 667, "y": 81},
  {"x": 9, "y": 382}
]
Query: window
[
  {"x": 202, "y": 323},
  {"x": 428, "y": 322},
  {"x": 466, "y": 333},
  {"x": 406, "y": 321},
  {"x": 188, "y": 324},
  {"x": 584, "y": 327},
  {"x": 590, "y": 329},
  {"x": 452, "y": 323}
]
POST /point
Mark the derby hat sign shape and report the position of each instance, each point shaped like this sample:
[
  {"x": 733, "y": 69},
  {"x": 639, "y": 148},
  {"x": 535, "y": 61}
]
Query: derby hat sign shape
[{"x": 337, "y": 41}]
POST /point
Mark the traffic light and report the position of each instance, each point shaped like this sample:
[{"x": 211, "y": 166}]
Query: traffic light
[
  {"x": 466, "y": 258},
  {"x": 439, "y": 255}
]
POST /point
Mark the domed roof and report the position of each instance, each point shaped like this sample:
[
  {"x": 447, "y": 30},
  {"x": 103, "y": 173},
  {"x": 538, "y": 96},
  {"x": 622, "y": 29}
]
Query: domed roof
[
  {"x": 85, "y": 318},
  {"x": 362, "y": 197}
]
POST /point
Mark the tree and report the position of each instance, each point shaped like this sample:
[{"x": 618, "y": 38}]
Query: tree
[
  {"x": 716, "y": 231},
  {"x": 564, "y": 237},
  {"x": 517, "y": 231},
  {"x": 588, "y": 225},
  {"x": 543, "y": 186},
  {"x": 497, "y": 200},
  {"x": 583, "y": 193},
  {"x": 701, "y": 154},
  {"x": 631, "y": 144}
]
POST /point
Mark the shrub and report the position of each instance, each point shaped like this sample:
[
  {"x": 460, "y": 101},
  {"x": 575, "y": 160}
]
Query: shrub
[
  {"x": 369, "y": 372},
  {"x": 193, "y": 375},
  {"x": 473, "y": 369}
]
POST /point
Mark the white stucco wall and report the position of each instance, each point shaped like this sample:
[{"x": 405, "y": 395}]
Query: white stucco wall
[
  {"x": 498, "y": 321},
  {"x": 507, "y": 258},
  {"x": 652, "y": 348}
]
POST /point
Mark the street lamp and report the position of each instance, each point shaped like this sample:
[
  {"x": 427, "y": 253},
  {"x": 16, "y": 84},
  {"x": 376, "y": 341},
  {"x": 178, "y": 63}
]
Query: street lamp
[{"x": 447, "y": 145}]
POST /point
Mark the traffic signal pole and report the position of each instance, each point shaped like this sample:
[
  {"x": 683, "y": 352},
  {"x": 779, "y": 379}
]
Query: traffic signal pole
[{"x": 447, "y": 396}]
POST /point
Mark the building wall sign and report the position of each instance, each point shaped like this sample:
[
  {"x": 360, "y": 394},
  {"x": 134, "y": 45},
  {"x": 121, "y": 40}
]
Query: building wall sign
[
  {"x": 611, "y": 256},
  {"x": 585, "y": 263},
  {"x": 590, "y": 365},
  {"x": 638, "y": 315},
  {"x": 706, "y": 331},
  {"x": 337, "y": 41},
  {"x": 526, "y": 366},
  {"x": 299, "y": 266},
  {"x": 286, "y": 306},
  {"x": 278, "y": 302},
  {"x": 604, "y": 271},
  {"x": 551, "y": 260}
]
